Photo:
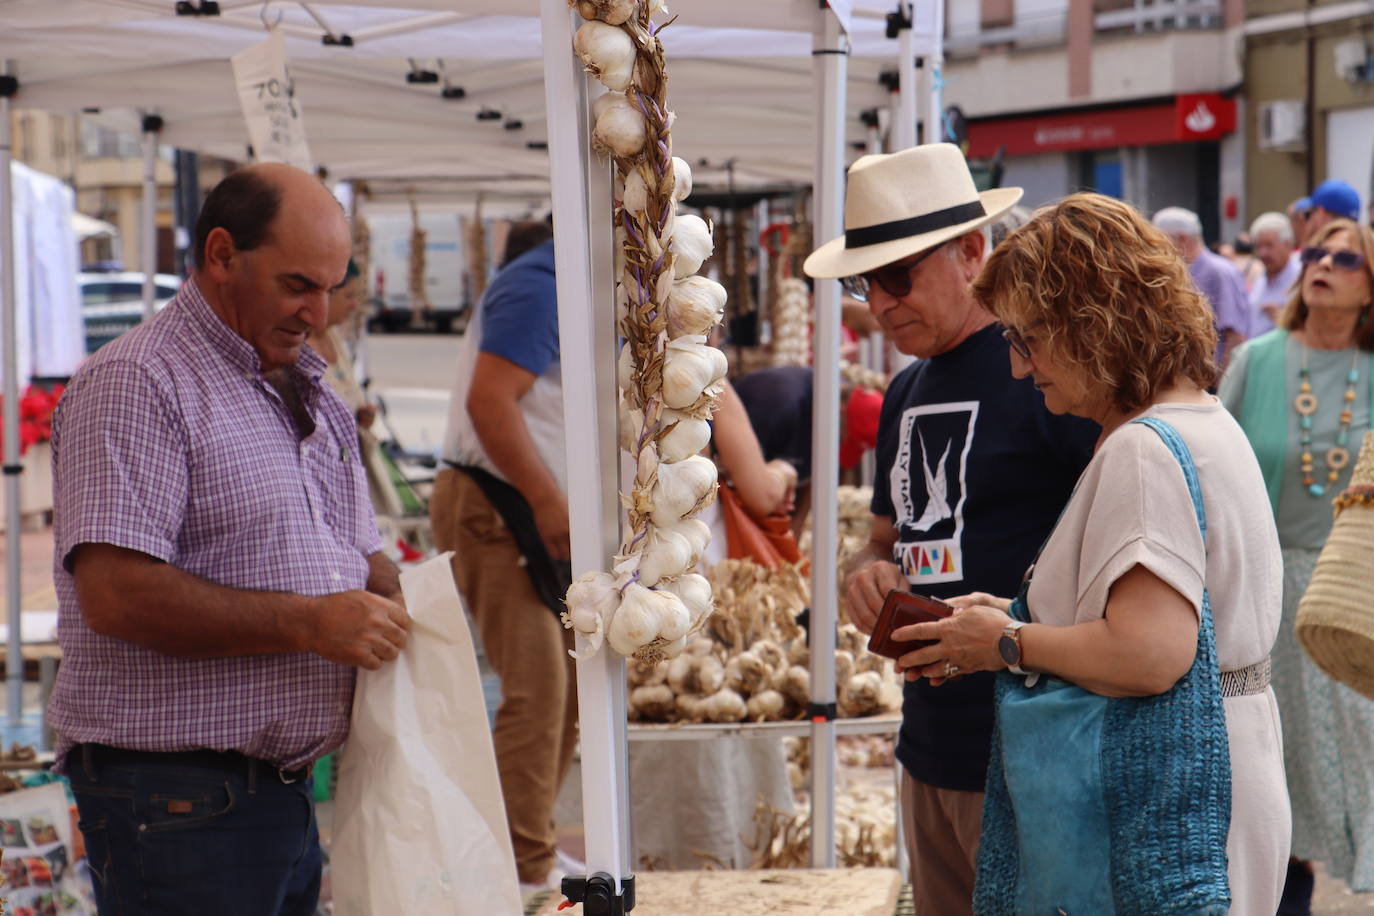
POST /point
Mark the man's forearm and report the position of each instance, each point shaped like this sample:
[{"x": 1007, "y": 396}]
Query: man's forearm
[
  {"x": 506, "y": 440},
  {"x": 136, "y": 598},
  {"x": 383, "y": 577},
  {"x": 872, "y": 552}
]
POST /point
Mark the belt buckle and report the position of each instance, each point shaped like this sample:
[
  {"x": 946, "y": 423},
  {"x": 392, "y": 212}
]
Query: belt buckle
[{"x": 288, "y": 780}]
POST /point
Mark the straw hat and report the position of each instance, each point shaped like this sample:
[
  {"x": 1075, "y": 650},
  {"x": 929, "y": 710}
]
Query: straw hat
[
  {"x": 899, "y": 204},
  {"x": 1335, "y": 617}
]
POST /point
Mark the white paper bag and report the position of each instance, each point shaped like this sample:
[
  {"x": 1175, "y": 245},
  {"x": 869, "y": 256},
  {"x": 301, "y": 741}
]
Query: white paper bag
[{"x": 420, "y": 824}]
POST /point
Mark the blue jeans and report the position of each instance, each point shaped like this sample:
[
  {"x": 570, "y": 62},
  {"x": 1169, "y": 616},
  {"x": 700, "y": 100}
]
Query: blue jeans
[{"x": 169, "y": 839}]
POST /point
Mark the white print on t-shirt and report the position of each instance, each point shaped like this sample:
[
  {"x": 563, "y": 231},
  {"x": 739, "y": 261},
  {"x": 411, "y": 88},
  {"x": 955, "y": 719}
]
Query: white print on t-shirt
[{"x": 929, "y": 545}]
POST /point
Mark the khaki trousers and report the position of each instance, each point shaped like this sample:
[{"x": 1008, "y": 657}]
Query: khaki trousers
[
  {"x": 941, "y": 828},
  {"x": 536, "y": 726}
]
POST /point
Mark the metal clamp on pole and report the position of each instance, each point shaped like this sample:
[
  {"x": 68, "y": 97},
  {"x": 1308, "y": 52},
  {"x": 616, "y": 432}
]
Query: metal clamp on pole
[
  {"x": 597, "y": 894},
  {"x": 203, "y": 8},
  {"x": 822, "y": 712},
  {"x": 9, "y": 86}
]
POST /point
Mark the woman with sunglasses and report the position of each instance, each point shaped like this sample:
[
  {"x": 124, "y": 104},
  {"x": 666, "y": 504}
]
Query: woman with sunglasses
[
  {"x": 1158, "y": 590},
  {"x": 1302, "y": 394}
]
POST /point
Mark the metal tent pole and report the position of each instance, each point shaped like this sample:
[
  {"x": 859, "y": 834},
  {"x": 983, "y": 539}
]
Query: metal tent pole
[
  {"x": 933, "y": 113},
  {"x": 14, "y": 658},
  {"x": 148, "y": 227},
  {"x": 830, "y": 52},
  {"x": 583, "y": 241},
  {"x": 904, "y": 130}
]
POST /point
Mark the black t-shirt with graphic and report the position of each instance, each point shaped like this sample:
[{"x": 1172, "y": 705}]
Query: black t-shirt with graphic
[{"x": 974, "y": 471}]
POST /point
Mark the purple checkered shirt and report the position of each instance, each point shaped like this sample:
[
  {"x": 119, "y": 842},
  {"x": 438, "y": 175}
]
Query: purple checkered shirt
[{"x": 170, "y": 442}]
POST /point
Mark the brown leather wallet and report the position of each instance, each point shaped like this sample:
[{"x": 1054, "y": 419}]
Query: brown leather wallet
[{"x": 899, "y": 609}]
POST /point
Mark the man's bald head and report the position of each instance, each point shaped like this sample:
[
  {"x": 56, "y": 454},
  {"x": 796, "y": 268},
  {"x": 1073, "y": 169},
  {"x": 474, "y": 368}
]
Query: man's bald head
[{"x": 247, "y": 203}]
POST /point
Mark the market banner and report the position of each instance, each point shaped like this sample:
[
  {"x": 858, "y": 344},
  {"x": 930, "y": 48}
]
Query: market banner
[{"x": 268, "y": 96}]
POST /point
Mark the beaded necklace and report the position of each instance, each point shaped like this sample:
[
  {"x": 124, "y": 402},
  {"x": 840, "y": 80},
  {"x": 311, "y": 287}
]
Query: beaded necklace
[{"x": 1338, "y": 456}]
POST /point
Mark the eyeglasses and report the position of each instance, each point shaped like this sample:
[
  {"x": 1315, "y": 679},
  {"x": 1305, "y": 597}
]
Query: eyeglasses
[
  {"x": 1344, "y": 259},
  {"x": 1017, "y": 342},
  {"x": 893, "y": 279}
]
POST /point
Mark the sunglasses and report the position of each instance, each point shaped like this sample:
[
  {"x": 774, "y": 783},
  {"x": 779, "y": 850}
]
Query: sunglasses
[
  {"x": 1017, "y": 342},
  {"x": 893, "y": 279},
  {"x": 1341, "y": 260}
]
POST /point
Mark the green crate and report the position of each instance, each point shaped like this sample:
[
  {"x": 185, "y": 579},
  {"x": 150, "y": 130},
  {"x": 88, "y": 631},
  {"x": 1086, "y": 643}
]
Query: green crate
[{"x": 324, "y": 778}]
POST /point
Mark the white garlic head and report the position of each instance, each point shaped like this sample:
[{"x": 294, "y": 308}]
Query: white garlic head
[
  {"x": 686, "y": 436},
  {"x": 692, "y": 243},
  {"x": 666, "y": 554},
  {"x": 611, "y": 12},
  {"x": 689, "y": 368},
  {"x": 682, "y": 179},
  {"x": 592, "y": 599},
  {"x": 620, "y": 127},
  {"x": 629, "y": 425},
  {"x": 695, "y": 305},
  {"x": 608, "y": 53},
  {"x": 682, "y": 488},
  {"x": 698, "y": 534},
  {"x": 646, "y": 615},
  {"x": 695, "y": 592}
]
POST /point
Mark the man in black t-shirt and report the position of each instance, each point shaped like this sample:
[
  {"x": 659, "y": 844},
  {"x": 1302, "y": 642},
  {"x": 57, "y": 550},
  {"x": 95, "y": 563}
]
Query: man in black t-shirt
[{"x": 972, "y": 472}]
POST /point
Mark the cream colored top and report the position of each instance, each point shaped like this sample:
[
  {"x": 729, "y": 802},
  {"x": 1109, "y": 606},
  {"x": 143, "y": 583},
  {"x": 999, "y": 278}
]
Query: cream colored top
[{"x": 1132, "y": 507}]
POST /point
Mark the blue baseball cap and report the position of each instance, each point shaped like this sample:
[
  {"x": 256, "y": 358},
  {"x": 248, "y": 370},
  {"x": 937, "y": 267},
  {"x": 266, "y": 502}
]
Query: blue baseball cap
[
  {"x": 1302, "y": 204},
  {"x": 1338, "y": 197}
]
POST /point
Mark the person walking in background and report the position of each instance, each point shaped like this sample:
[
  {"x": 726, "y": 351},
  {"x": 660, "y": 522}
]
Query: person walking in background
[
  {"x": 1331, "y": 200},
  {"x": 1214, "y": 277},
  {"x": 218, "y": 569},
  {"x": 971, "y": 472},
  {"x": 1302, "y": 394},
  {"x": 500, "y": 504},
  {"x": 1103, "y": 318},
  {"x": 1273, "y": 235}
]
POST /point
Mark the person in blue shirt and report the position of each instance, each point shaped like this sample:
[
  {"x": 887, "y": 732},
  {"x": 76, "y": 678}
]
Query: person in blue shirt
[{"x": 972, "y": 472}]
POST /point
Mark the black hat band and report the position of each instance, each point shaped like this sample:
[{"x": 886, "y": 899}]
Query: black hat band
[{"x": 916, "y": 225}]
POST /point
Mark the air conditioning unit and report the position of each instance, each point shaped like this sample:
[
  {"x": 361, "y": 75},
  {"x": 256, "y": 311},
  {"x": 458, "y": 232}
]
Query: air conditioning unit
[{"x": 1283, "y": 126}]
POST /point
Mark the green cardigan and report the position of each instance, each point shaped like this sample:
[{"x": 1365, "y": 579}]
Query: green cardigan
[{"x": 1263, "y": 410}]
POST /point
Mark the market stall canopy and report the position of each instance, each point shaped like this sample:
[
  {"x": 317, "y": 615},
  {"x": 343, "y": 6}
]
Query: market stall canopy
[{"x": 742, "y": 81}]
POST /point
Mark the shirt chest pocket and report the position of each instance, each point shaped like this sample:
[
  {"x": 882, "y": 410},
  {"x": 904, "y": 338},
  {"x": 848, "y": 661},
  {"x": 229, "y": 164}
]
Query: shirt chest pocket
[{"x": 340, "y": 484}]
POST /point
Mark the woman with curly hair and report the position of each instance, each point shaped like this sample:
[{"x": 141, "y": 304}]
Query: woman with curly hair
[
  {"x": 1158, "y": 589},
  {"x": 1303, "y": 395}
]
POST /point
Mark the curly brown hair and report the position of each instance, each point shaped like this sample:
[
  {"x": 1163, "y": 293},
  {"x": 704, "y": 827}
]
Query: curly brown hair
[
  {"x": 1110, "y": 296},
  {"x": 1295, "y": 313}
]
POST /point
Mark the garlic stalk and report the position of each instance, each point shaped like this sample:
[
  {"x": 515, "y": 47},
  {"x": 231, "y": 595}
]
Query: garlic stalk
[
  {"x": 607, "y": 52},
  {"x": 695, "y": 305},
  {"x": 611, "y": 12},
  {"x": 689, "y": 369},
  {"x": 692, "y": 244},
  {"x": 682, "y": 489}
]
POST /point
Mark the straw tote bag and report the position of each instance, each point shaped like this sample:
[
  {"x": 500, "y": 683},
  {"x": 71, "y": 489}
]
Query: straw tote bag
[{"x": 1336, "y": 615}]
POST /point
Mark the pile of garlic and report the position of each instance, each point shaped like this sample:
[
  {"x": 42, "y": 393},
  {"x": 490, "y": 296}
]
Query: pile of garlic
[
  {"x": 854, "y": 525},
  {"x": 752, "y": 661},
  {"x": 791, "y": 324},
  {"x": 650, "y": 603},
  {"x": 865, "y": 830}
]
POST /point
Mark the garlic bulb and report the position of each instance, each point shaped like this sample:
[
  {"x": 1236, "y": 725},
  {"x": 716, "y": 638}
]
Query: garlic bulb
[
  {"x": 702, "y": 645},
  {"x": 640, "y": 674},
  {"x": 692, "y": 243},
  {"x": 682, "y": 488},
  {"x": 611, "y": 12},
  {"x": 747, "y": 674},
  {"x": 682, "y": 179},
  {"x": 861, "y": 695},
  {"x": 684, "y": 438},
  {"x": 794, "y": 684},
  {"x": 697, "y": 533},
  {"x": 844, "y": 666},
  {"x": 695, "y": 593},
  {"x": 771, "y": 654},
  {"x": 695, "y": 305},
  {"x": 724, "y": 706},
  {"x": 636, "y": 192},
  {"x": 710, "y": 675},
  {"x": 645, "y": 615},
  {"x": 690, "y": 707},
  {"x": 658, "y": 6},
  {"x": 607, "y": 52},
  {"x": 620, "y": 128},
  {"x": 666, "y": 555},
  {"x": 690, "y": 367},
  {"x": 652, "y": 703},
  {"x": 765, "y": 705},
  {"x": 592, "y": 600}
]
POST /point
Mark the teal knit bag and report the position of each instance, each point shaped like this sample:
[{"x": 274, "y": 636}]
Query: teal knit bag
[{"x": 1097, "y": 805}]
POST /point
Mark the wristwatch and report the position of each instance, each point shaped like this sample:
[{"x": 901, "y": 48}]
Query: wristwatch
[{"x": 1009, "y": 647}]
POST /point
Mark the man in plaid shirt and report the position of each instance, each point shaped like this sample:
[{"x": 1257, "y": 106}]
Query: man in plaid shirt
[{"x": 218, "y": 569}]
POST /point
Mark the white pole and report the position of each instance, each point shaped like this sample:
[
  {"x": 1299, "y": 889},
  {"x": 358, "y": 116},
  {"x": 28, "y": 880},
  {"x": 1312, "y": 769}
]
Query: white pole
[
  {"x": 904, "y": 131},
  {"x": 148, "y": 235},
  {"x": 14, "y": 658},
  {"x": 831, "y": 55},
  {"x": 934, "y": 115},
  {"x": 582, "y": 200},
  {"x": 763, "y": 267}
]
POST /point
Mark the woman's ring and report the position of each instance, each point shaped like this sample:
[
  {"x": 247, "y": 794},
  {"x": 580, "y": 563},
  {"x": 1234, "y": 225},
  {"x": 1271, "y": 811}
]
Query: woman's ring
[{"x": 951, "y": 669}]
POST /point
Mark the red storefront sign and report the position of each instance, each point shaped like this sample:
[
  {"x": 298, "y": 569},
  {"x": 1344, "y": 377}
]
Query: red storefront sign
[{"x": 1205, "y": 116}]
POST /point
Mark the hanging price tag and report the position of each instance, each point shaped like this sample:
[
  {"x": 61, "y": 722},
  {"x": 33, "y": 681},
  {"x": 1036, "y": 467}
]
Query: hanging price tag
[{"x": 270, "y": 105}]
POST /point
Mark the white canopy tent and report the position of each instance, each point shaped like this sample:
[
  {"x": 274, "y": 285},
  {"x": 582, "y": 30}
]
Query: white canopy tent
[{"x": 746, "y": 91}]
